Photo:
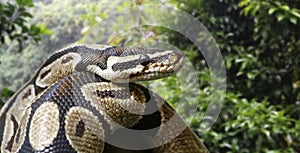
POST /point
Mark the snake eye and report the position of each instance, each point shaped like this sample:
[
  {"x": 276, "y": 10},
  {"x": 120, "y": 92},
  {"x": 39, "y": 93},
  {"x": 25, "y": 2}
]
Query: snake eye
[{"x": 144, "y": 60}]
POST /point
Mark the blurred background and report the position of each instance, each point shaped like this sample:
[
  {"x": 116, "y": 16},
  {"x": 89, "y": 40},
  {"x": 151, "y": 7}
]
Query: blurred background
[{"x": 259, "y": 41}]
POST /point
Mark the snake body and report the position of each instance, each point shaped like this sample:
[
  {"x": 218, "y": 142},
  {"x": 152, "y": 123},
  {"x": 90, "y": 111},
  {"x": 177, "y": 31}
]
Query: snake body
[{"x": 85, "y": 96}]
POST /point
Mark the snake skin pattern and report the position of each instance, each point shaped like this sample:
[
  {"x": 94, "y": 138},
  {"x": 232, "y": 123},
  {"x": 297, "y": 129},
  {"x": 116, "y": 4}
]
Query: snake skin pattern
[{"x": 85, "y": 96}]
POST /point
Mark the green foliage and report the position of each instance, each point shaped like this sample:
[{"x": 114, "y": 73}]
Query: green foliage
[
  {"x": 259, "y": 41},
  {"x": 14, "y": 24},
  {"x": 261, "y": 52},
  {"x": 108, "y": 24},
  {"x": 5, "y": 93},
  {"x": 281, "y": 10},
  {"x": 252, "y": 126},
  {"x": 17, "y": 68},
  {"x": 65, "y": 30}
]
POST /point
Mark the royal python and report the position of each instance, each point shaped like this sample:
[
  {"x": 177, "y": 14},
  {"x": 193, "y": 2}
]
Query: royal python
[{"x": 84, "y": 95}]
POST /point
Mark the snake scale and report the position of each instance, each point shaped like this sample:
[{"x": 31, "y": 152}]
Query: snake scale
[{"x": 83, "y": 96}]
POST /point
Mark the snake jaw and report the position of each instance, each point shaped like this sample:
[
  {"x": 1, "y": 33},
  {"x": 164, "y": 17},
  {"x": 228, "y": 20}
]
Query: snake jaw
[
  {"x": 156, "y": 71},
  {"x": 160, "y": 69}
]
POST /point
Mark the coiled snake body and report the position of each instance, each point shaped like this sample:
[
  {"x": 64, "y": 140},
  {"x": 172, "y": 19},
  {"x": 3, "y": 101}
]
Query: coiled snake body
[{"x": 85, "y": 96}]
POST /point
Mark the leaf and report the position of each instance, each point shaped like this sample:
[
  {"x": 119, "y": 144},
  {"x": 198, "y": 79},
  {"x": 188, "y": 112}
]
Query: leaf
[
  {"x": 246, "y": 10},
  {"x": 296, "y": 84},
  {"x": 272, "y": 10},
  {"x": 295, "y": 13},
  {"x": 26, "y": 14},
  {"x": 6, "y": 93},
  {"x": 285, "y": 7},
  {"x": 266, "y": 132},
  {"x": 44, "y": 30},
  {"x": 239, "y": 73},
  {"x": 11, "y": 8},
  {"x": 244, "y": 65},
  {"x": 239, "y": 60},
  {"x": 226, "y": 144},
  {"x": 243, "y": 3},
  {"x": 251, "y": 75},
  {"x": 280, "y": 17},
  {"x": 27, "y": 3},
  {"x": 255, "y": 10},
  {"x": 85, "y": 29},
  {"x": 293, "y": 20},
  {"x": 19, "y": 2}
]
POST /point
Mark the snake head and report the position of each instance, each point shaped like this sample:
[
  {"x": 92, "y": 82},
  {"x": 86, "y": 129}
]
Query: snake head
[{"x": 119, "y": 64}]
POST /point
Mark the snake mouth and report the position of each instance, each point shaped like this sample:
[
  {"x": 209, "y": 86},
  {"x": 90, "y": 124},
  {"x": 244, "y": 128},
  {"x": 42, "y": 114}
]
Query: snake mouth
[{"x": 150, "y": 76}]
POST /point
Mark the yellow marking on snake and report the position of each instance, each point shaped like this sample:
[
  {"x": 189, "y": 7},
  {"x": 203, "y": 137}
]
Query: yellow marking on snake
[
  {"x": 44, "y": 125},
  {"x": 84, "y": 131},
  {"x": 61, "y": 67}
]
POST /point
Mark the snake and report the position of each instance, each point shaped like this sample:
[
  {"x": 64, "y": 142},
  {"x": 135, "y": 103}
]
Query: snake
[{"x": 83, "y": 98}]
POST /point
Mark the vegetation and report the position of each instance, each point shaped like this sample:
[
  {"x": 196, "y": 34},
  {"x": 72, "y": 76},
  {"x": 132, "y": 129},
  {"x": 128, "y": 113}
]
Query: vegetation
[
  {"x": 14, "y": 25},
  {"x": 259, "y": 41}
]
